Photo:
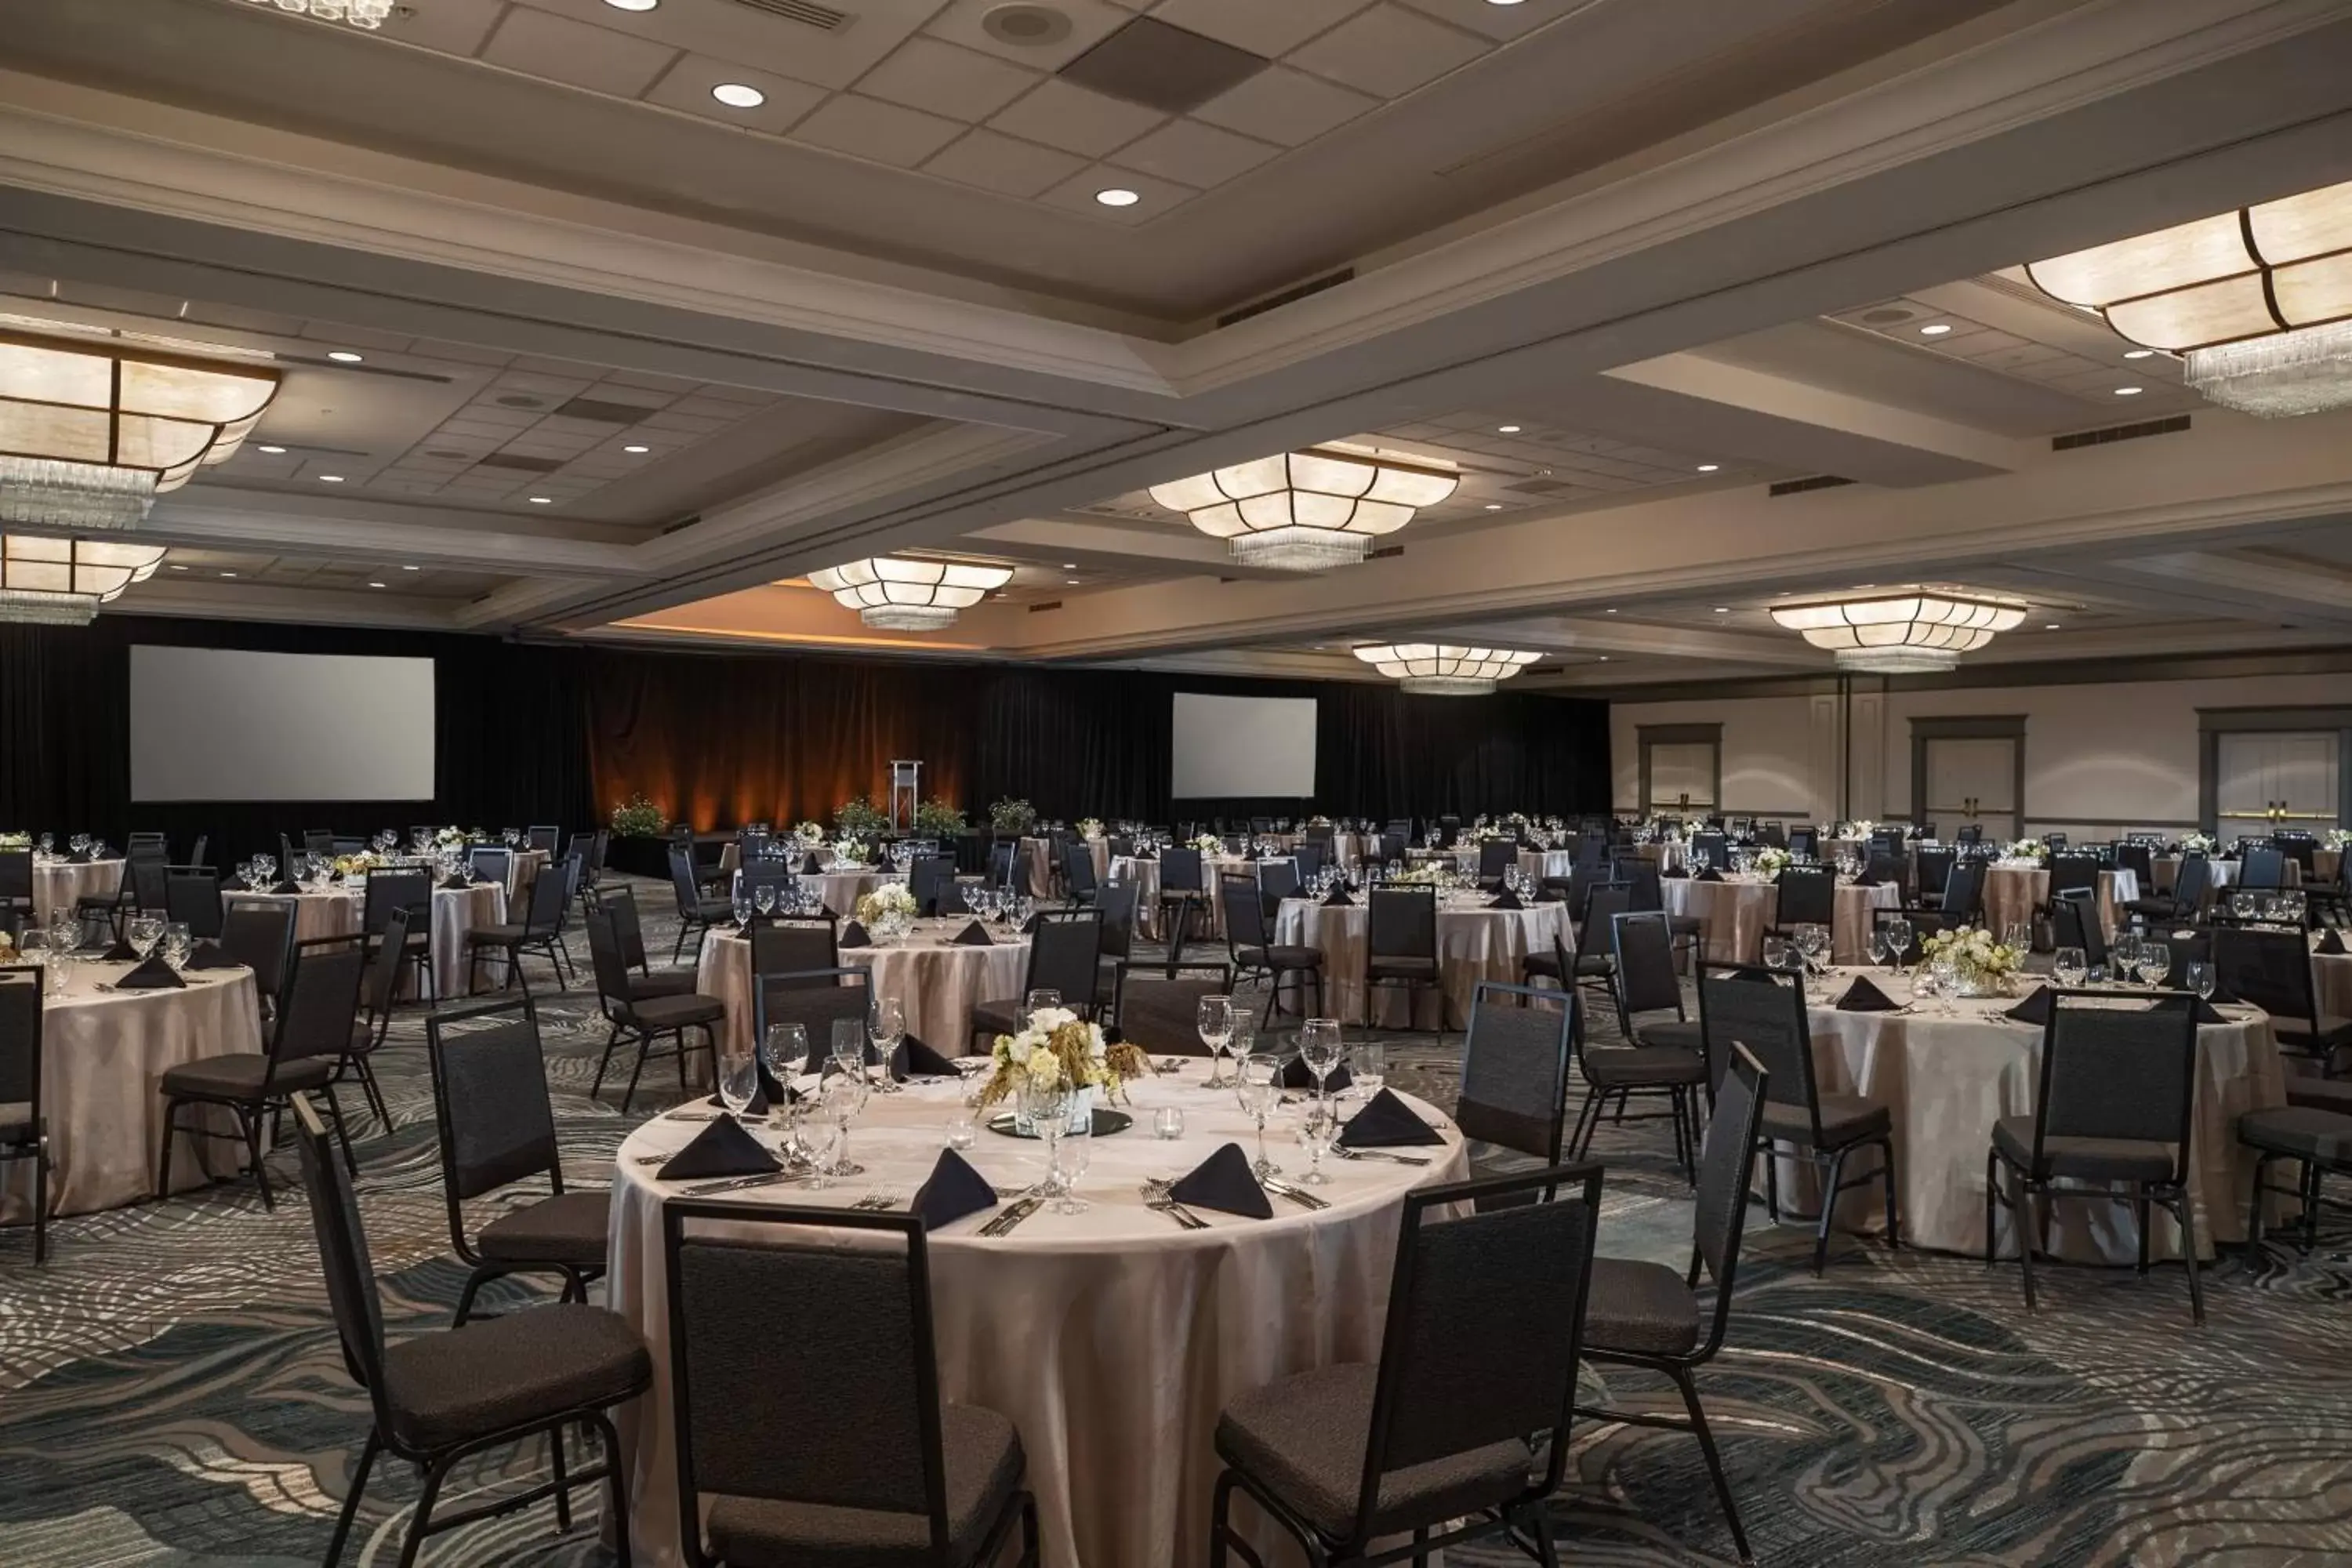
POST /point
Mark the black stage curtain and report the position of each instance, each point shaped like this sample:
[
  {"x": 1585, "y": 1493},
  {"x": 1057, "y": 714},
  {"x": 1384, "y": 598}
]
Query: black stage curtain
[{"x": 508, "y": 749}]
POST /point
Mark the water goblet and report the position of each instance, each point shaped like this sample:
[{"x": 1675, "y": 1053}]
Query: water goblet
[
  {"x": 787, "y": 1046},
  {"x": 1076, "y": 1151},
  {"x": 886, "y": 1021},
  {"x": 265, "y": 867},
  {"x": 60, "y": 970},
  {"x": 1213, "y": 1018},
  {"x": 144, "y": 932},
  {"x": 849, "y": 1046},
  {"x": 1878, "y": 945},
  {"x": 741, "y": 901},
  {"x": 2069, "y": 966},
  {"x": 1898, "y": 941},
  {"x": 1259, "y": 1092},
  {"x": 48, "y": 844},
  {"x": 2155, "y": 961},
  {"x": 764, "y": 898},
  {"x": 2124, "y": 953},
  {"x": 820, "y": 1144},
  {"x": 177, "y": 941},
  {"x": 243, "y": 872},
  {"x": 1317, "y": 1129},
  {"x": 1368, "y": 1067},
  {"x": 1046, "y": 1104},
  {"x": 2197, "y": 975},
  {"x": 739, "y": 1078},
  {"x": 843, "y": 1098},
  {"x": 1776, "y": 953}
]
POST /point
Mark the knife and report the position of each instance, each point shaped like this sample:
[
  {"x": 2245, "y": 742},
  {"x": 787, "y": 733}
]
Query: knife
[
  {"x": 1298, "y": 1195},
  {"x": 1003, "y": 1224},
  {"x": 735, "y": 1184}
]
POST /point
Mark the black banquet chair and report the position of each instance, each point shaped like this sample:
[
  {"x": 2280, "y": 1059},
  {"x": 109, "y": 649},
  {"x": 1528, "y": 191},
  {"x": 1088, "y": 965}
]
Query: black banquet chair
[
  {"x": 802, "y": 1464},
  {"x": 1436, "y": 1440},
  {"x": 435, "y": 1399},
  {"x": 1255, "y": 955},
  {"x": 1401, "y": 946},
  {"x": 640, "y": 1020},
  {"x": 1065, "y": 954},
  {"x": 24, "y": 1130}
]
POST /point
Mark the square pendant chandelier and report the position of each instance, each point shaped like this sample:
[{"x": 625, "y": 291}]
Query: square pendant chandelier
[
  {"x": 1908, "y": 631},
  {"x": 899, "y": 594}
]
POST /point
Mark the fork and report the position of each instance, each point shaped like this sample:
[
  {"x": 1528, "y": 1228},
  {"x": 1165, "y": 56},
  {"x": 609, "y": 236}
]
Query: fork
[
  {"x": 1156, "y": 1196},
  {"x": 877, "y": 1200},
  {"x": 1378, "y": 1154}
]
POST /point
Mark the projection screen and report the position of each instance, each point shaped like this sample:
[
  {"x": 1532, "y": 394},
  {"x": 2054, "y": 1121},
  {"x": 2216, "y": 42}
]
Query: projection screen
[
  {"x": 1243, "y": 746},
  {"x": 230, "y": 724}
]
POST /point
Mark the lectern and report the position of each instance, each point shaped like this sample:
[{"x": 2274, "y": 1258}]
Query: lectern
[{"x": 905, "y": 788}]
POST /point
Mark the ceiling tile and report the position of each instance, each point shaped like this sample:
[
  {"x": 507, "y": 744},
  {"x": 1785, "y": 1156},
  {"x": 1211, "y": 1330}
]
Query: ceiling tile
[
  {"x": 1286, "y": 106},
  {"x": 1089, "y": 21},
  {"x": 687, "y": 86},
  {"x": 869, "y": 127},
  {"x": 1077, "y": 194},
  {"x": 564, "y": 50},
  {"x": 1075, "y": 120},
  {"x": 1388, "y": 50},
  {"x": 924, "y": 73},
  {"x": 1004, "y": 163},
  {"x": 1502, "y": 22},
  {"x": 759, "y": 36},
  {"x": 1195, "y": 154},
  {"x": 1264, "y": 27},
  {"x": 453, "y": 26}
]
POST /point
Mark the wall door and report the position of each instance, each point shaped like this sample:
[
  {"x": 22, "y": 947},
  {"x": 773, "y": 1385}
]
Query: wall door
[
  {"x": 1682, "y": 777},
  {"x": 1972, "y": 780},
  {"x": 2258, "y": 774}
]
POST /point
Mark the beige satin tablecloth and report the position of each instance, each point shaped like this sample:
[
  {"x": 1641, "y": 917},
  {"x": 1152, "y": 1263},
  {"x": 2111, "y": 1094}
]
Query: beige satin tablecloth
[
  {"x": 58, "y": 885},
  {"x": 1111, "y": 1339},
  {"x": 1948, "y": 1079},
  {"x": 1736, "y": 912},
  {"x": 936, "y": 983},
  {"x": 1474, "y": 943},
  {"x": 2013, "y": 893},
  {"x": 103, "y": 1057}
]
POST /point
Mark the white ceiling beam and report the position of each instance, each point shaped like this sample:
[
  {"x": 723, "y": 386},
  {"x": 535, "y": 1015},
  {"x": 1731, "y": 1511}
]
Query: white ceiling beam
[{"x": 217, "y": 517}]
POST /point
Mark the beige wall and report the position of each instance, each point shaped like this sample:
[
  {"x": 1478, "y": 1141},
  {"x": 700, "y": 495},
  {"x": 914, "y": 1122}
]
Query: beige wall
[{"x": 2094, "y": 754}]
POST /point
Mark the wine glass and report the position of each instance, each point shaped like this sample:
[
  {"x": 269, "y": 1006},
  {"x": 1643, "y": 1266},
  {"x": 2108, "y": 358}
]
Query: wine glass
[
  {"x": 1214, "y": 1020},
  {"x": 741, "y": 901},
  {"x": 849, "y": 1045},
  {"x": 176, "y": 943},
  {"x": 886, "y": 1021},
  {"x": 739, "y": 1076},
  {"x": 1259, "y": 1092},
  {"x": 2070, "y": 966},
  {"x": 144, "y": 932},
  {"x": 1047, "y": 1103},
  {"x": 1320, "y": 1048},
  {"x": 49, "y": 845},
  {"x": 1898, "y": 941},
  {"x": 1076, "y": 1151},
  {"x": 2197, "y": 975},
  {"x": 822, "y": 1144},
  {"x": 1878, "y": 944},
  {"x": 787, "y": 1046},
  {"x": 78, "y": 843},
  {"x": 764, "y": 898},
  {"x": 265, "y": 867},
  {"x": 1045, "y": 996},
  {"x": 2124, "y": 951},
  {"x": 1813, "y": 942},
  {"x": 2155, "y": 961},
  {"x": 60, "y": 970},
  {"x": 1316, "y": 1130},
  {"x": 843, "y": 1098},
  {"x": 1776, "y": 953}
]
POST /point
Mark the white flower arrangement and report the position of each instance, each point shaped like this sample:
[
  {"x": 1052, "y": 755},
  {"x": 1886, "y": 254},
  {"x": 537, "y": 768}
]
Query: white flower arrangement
[
  {"x": 450, "y": 838},
  {"x": 1484, "y": 832},
  {"x": 810, "y": 834},
  {"x": 1318, "y": 821},
  {"x": 1057, "y": 1047},
  {"x": 850, "y": 851},
  {"x": 1861, "y": 827},
  {"x": 1209, "y": 843},
  {"x": 1973, "y": 952},
  {"x": 357, "y": 864},
  {"x": 2028, "y": 849},
  {"x": 891, "y": 899},
  {"x": 1770, "y": 861},
  {"x": 2338, "y": 837},
  {"x": 1090, "y": 828},
  {"x": 15, "y": 841},
  {"x": 2197, "y": 844},
  {"x": 1426, "y": 874}
]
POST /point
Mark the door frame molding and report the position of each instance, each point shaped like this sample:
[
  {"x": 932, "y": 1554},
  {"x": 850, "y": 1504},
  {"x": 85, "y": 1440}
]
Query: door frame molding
[
  {"x": 1967, "y": 726},
  {"x": 2212, "y": 723},
  {"x": 1648, "y": 735}
]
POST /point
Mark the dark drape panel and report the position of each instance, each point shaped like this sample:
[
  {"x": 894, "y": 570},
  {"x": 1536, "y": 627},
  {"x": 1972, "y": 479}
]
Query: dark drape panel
[
  {"x": 1074, "y": 744},
  {"x": 507, "y": 745}
]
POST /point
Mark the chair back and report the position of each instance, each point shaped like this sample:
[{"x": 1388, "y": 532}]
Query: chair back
[
  {"x": 153, "y": 844},
  {"x": 1935, "y": 870},
  {"x": 1402, "y": 922},
  {"x": 1079, "y": 867},
  {"x": 1645, "y": 891},
  {"x": 1711, "y": 849},
  {"x": 1245, "y": 924},
  {"x": 2261, "y": 866},
  {"x": 1765, "y": 1011},
  {"x": 149, "y": 879},
  {"x": 2270, "y": 969},
  {"x": 193, "y": 897},
  {"x": 1805, "y": 841},
  {"x": 489, "y": 1096},
  {"x": 1312, "y": 855},
  {"x": 322, "y": 1000},
  {"x": 1963, "y": 895},
  {"x": 543, "y": 837},
  {"x": 1000, "y": 863},
  {"x": 620, "y": 902},
  {"x": 550, "y": 890},
  {"x": 2192, "y": 882},
  {"x": 2140, "y": 861},
  {"x": 20, "y": 1042},
  {"x": 1118, "y": 902},
  {"x": 15, "y": 875},
  {"x": 1726, "y": 1172},
  {"x": 1515, "y": 1068},
  {"x": 930, "y": 878},
  {"x": 491, "y": 864},
  {"x": 605, "y": 956},
  {"x": 389, "y": 890},
  {"x": 317, "y": 841},
  {"x": 1892, "y": 869},
  {"x": 343, "y": 1255},
  {"x": 814, "y": 999},
  {"x": 1180, "y": 870},
  {"x": 2074, "y": 870},
  {"x": 753, "y": 875},
  {"x": 1642, "y": 945},
  {"x": 382, "y": 982},
  {"x": 1596, "y": 930},
  {"x": 1063, "y": 955},
  {"x": 1807, "y": 896},
  {"x": 1969, "y": 833},
  {"x": 259, "y": 934},
  {"x": 1276, "y": 881},
  {"x": 681, "y": 877},
  {"x": 1485, "y": 1321},
  {"x": 2115, "y": 1068},
  {"x": 1158, "y": 1013},
  {"x": 811, "y": 1429},
  {"x": 2075, "y": 919},
  {"x": 1497, "y": 856},
  {"x": 794, "y": 946}
]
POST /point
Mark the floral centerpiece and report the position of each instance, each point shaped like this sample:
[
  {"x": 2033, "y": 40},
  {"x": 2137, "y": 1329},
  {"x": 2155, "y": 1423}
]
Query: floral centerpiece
[
  {"x": 1318, "y": 820},
  {"x": 938, "y": 819},
  {"x": 2337, "y": 838},
  {"x": 357, "y": 864},
  {"x": 888, "y": 912},
  {"x": 1861, "y": 827},
  {"x": 1090, "y": 828},
  {"x": 1426, "y": 874},
  {"x": 1209, "y": 843},
  {"x": 811, "y": 835},
  {"x": 2197, "y": 844},
  {"x": 1012, "y": 816},
  {"x": 848, "y": 851},
  {"x": 451, "y": 838},
  {"x": 859, "y": 817},
  {"x": 1770, "y": 861},
  {"x": 1060, "y": 1048},
  {"x": 637, "y": 817},
  {"x": 1980, "y": 967},
  {"x": 2026, "y": 849},
  {"x": 15, "y": 841}
]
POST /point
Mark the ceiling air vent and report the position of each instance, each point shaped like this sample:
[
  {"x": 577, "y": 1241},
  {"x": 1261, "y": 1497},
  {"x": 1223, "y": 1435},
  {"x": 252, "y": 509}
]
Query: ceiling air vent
[
  {"x": 517, "y": 461},
  {"x": 807, "y": 12},
  {"x": 2119, "y": 432},
  {"x": 1541, "y": 487},
  {"x": 1384, "y": 551},
  {"x": 1799, "y": 487},
  {"x": 1172, "y": 69},
  {"x": 1288, "y": 296},
  {"x": 1039, "y": 609},
  {"x": 604, "y": 413}
]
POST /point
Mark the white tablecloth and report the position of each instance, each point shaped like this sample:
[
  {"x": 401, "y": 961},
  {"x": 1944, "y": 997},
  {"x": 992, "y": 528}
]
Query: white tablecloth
[
  {"x": 1037, "y": 855},
  {"x": 1948, "y": 1079},
  {"x": 58, "y": 885},
  {"x": 1110, "y": 1340},
  {"x": 1474, "y": 943},
  {"x": 103, "y": 1057},
  {"x": 1547, "y": 862},
  {"x": 936, "y": 983},
  {"x": 2014, "y": 893},
  {"x": 337, "y": 911},
  {"x": 1736, "y": 909}
]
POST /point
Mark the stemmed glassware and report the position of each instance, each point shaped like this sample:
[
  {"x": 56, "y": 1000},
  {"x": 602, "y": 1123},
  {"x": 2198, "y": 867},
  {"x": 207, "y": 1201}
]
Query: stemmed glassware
[
  {"x": 741, "y": 898},
  {"x": 2124, "y": 953},
  {"x": 1037, "y": 1000},
  {"x": 1214, "y": 1020},
  {"x": 143, "y": 932},
  {"x": 78, "y": 843},
  {"x": 2197, "y": 975},
  {"x": 1260, "y": 1091},
  {"x": 2070, "y": 966},
  {"x": 1879, "y": 944},
  {"x": 1898, "y": 941},
  {"x": 176, "y": 944},
  {"x": 2154, "y": 962},
  {"x": 1319, "y": 1047},
  {"x": 265, "y": 869},
  {"x": 886, "y": 1021},
  {"x": 1048, "y": 1106},
  {"x": 739, "y": 1076},
  {"x": 843, "y": 1098},
  {"x": 788, "y": 1057},
  {"x": 764, "y": 898}
]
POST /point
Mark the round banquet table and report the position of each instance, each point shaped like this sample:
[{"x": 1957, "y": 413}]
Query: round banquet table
[
  {"x": 1735, "y": 911},
  {"x": 103, "y": 1057},
  {"x": 1145, "y": 872},
  {"x": 1547, "y": 862},
  {"x": 936, "y": 983},
  {"x": 1110, "y": 1339},
  {"x": 1474, "y": 943},
  {"x": 844, "y": 889},
  {"x": 1037, "y": 855},
  {"x": 2015, "y": 891},
  {"x": 59, "y": 884},
  {"x": 1947, "y": 1079},
  {"x": 338, "y": 912}
]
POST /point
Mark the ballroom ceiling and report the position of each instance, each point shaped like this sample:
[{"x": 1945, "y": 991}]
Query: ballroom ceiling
[{"x": 1696, "y": 272}]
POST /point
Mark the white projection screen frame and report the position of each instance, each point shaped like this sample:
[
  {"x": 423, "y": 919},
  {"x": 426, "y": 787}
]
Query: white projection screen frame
[
  {"x": 1232, "y": 748},
  {"x": 234, "y": 724}
]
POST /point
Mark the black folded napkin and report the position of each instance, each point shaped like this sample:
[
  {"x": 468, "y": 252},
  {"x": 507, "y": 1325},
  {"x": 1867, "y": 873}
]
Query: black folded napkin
[
  {"x": 152, "y": 974},
  {"x": 2035, "y": 1009},
  {"x": 761, "y": 1104},
  {"x": 974, "y": 934},
  {"x": 722, "y": 1149},
  {"x": 853, "y": 935},
  {"x": 2205, "y": 1013},
  {"x": 456, "y": 882},
  {"x": 2331, "y": 943},
  {"x": 1029, "y": 927},
  {"x": 286, "y": 885},
  {"x": 121, "y": 952},
  {"x": 1862, "y": 996},
  {"x": 812, "y": 867},
  {"x": 236, "y": 885},
  {"x": 952, "y": 1192},
  {"x": 209, "y": 954},
  {"x": 915, "y": 1059},
  {"x": 1224, "y": 1182},
  {"x": 1386, "y": 1122},
  {"x": 1506, "y": 900},
  {"x": 1677, "y": 873},
  {"x": 1296, "y": 1074},
  {"x": 1338, "y": 899},
  {"x": 1709, "y": 875}
]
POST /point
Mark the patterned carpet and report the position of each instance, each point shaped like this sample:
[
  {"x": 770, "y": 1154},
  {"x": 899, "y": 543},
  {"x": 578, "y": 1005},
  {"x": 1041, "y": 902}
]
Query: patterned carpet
[{"x": 170, "y": 1391}]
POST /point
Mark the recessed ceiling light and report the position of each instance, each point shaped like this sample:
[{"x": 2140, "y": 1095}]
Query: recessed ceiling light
[
  {"x": 2139, "y": 354},
  {"x": 228, "y": 573},
  {"x": 342, "y": 356},
  {"x": 542, "y": 500},
  {"x": 1507, "y": 429},
  {"x": 1604, "y": 658},
  {"x": 179, "y": 568},
  {"x": 1722, "y": 609},
  {"x": 638, "y": 451},
  {"x": 737, "y": 95},
  {"x": 273, "y": 451},
  {"x": 1069, "y": 565},
  {"x": 2051, "y": 627},
  {"x": 1494, "y": 506},
  {"x": 1118, "y": 197},
  {"x": 1709, "y": 467},
  {"x": 1935, "y": 329},
  {"x": 632, "y": 5},
  {"x": 412, "y": 569},
  {"x": 1502, "y": 2},
  {"x": 1608, "y": 612},
  {"x": 375, "y": 584},
  {"x": 2128, "y": 391},
  {"x": 1072, "y": 582},
  {"x": 330, "y": 479}
]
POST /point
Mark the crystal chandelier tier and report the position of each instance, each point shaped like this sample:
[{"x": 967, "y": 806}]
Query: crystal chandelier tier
[
  {"x": 1304, "y": 511},
  {"x": 901, "y": 595},
  {"x": 1908, "y": 631},
  {"x": 368, "y": 14},
  {"x": 62, "y": 582},
  {"x": 1445, "y": 669},
  {"x": 2257, "y": 303},
  {"x": 92, "y": 433}
]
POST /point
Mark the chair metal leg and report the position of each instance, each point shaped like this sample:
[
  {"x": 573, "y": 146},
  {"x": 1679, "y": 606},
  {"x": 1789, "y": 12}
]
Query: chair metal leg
[
  {"x": 163, "y": 1162},
  {"x": 1893, "y": 1209},
  {"x": 677, "y": 1038},
  {"x": 563, "y": 1485},
  {"x": 433, "y": 1475},
  {"x": 2254, "y": 1204},
  {"x": 351, "y": 1501},
  {"x": 2140, "y": 1213},
  {"x": 617, "y": 1480},
  {"x": 605, "y": 1061},
  {"x": 1828, "y": 1210},
  {"x": 343, "y": 1134},
  {"x": 251, "y": 1123},
  {"x": 1992, "y": 1200},
  {"x": 2030, "y": 1208},
  {"x": 40, "y": 1197},
  {"x": 1705, "y": 1436},
  {"x": 2188, "y": 1212},
  {"x": 631, "y": 1093}
]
